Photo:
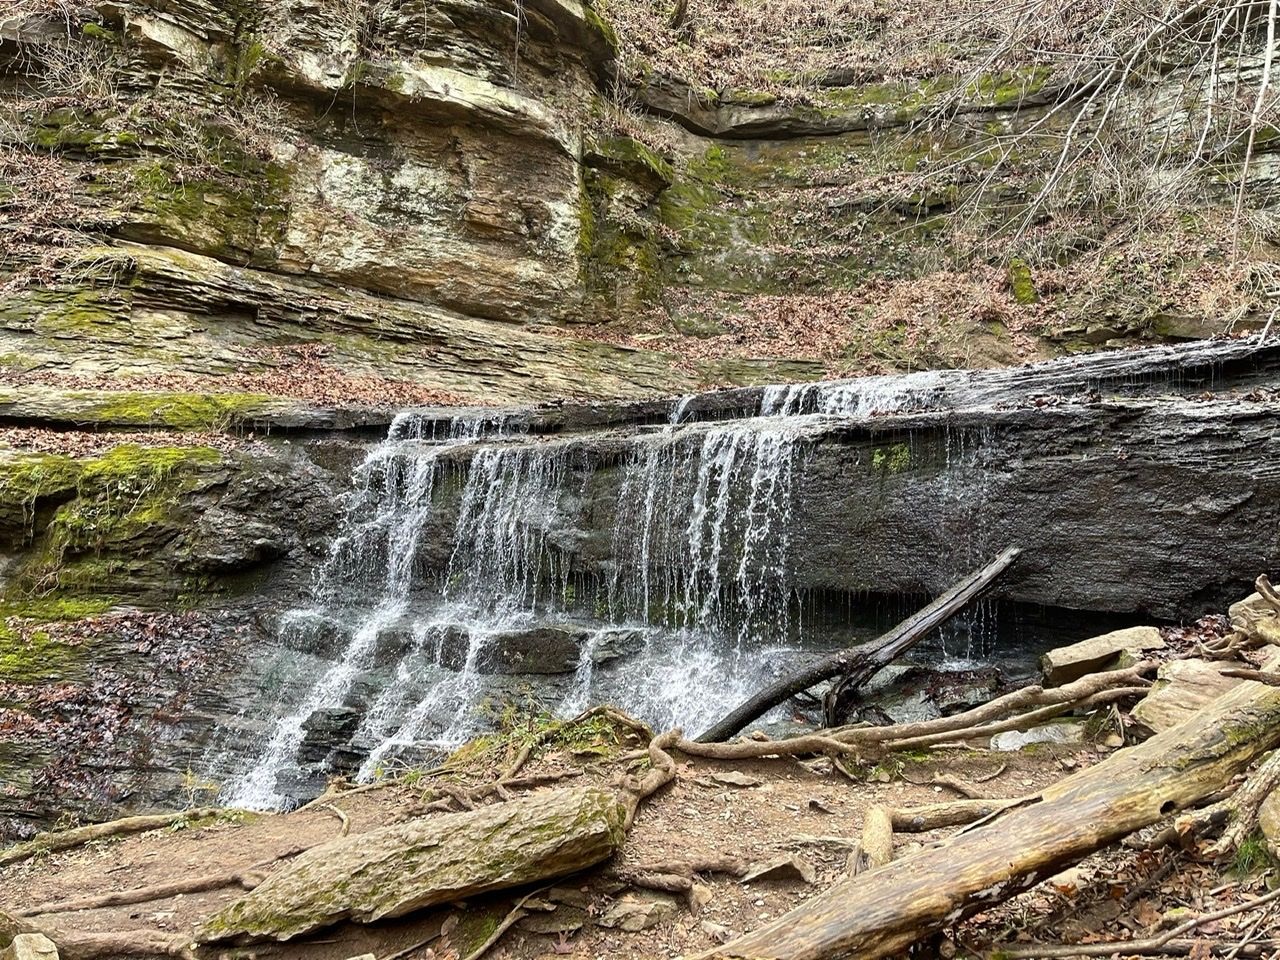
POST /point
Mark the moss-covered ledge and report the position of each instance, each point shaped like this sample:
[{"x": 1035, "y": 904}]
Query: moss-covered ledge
[{"x": 102, "y": 525}]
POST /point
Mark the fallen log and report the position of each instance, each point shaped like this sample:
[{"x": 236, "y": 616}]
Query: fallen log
[
  {"x": 396, "y": 870},
  {"x": 882, "y": 912},
  {"x": 859, "y": 664}
]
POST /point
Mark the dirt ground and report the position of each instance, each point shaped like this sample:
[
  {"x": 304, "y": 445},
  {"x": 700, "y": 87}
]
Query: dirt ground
[{"x": 784, "y": 808}]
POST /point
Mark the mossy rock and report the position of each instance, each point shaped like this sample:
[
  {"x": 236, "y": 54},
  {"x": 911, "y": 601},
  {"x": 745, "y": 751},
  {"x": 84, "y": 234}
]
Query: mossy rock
[{"x": 101, "y": 525}]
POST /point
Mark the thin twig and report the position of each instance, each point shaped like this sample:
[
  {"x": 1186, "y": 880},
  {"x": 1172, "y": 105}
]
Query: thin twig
[{"x": 1150, "y": 945}]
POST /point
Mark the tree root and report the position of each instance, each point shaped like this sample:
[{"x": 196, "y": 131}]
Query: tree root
[
  {"x": 662, "y": 771},
  {"x": 680, "y": 876},
  {"x": 877, "y": 838},
  {"x": 342, "y": 816},
  {"x": 1245, "y": 803},
  {"x": 1154, "y": 945},
  {"x": 1028, "y": 706},
  {"x": 134, "y": 943},
  {"x": 1271, "y": 679},
  {"x": 67, "y": 839},
  {"x": 965, "y": 788},
  {"x": 247, "y": 879},
  {"x": 875, "y": 848},
  {"x": 518, "y": 913}
]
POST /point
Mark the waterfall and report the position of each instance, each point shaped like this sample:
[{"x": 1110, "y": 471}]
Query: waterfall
[{"x": 697, "y": 589}]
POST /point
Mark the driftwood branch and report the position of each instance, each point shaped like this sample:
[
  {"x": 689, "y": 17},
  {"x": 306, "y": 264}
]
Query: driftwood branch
[
  {"x": 858, "y": 664},
  {"x": 884, "y": 911},
  {"x": 1029, "y": 705},
  {"x": 246, "y": 879}
]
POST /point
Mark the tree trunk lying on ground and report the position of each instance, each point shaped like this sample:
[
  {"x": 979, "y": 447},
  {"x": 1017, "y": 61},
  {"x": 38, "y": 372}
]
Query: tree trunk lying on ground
[
  {"x": 395, "y": 870},
  {"x": 859, "y": 664},
  {"x": 882, "y": 912}
]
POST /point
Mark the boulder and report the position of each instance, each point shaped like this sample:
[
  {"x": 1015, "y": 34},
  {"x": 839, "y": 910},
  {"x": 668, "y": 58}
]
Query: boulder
[
  {"x": 1255, "y": 617},
  {"x": 786, "y": 867},
  {"x": 542, "y": 649},
  {"x": 398, "y": 869},
  {"x": 1182, "y": 687},
  {"x": 30, "y": 946},
  {"x": 11, "y": 926},
  {"x": 1111, "y": 651}
]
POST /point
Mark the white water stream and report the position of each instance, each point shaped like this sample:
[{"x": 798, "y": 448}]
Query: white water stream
[{"x": 700, "y": 582}]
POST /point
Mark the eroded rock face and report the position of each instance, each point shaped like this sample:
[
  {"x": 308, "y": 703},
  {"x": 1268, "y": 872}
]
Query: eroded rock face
[
  {"x": 400, "y": 183},
  {"x": 111, "y": 684}
]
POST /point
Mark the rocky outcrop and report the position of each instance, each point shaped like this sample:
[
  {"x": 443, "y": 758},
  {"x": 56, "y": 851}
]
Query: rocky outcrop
[{"x": 401, "y": 184}]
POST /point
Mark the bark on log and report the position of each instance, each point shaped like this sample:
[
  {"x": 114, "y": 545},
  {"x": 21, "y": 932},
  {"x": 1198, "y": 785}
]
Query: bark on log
[
  {"x": 877, "y": 837},
  {"x": 858, "y": 664},
  {"x": 880, "y": 913},
  {"x": 398, "y": 869}
]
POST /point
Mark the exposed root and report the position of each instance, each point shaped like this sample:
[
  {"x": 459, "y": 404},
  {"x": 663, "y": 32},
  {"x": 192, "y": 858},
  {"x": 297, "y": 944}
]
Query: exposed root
[
  {"x": 1245, "y": 803},
  {"x": 1262, "y": 676},
  {"x": 1232, "y": 818},
  {"x": 662, "y": 771},
  {"x": 1028, "y": 706},
  {"x": 877, "y": 837},
  {"x": 936, "y": 816},
  {"x": 964, "y": 787},
  {"x": 136, "y": 943},
  {"x": 67, "y": 839},
  {"x": 247, "y": 879},
  {"x": 518, "y": 912},
  {"x": 342, "y": 816}
]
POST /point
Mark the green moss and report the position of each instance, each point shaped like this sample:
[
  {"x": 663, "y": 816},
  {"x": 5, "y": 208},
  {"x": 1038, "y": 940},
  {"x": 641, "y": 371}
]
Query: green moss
[
  {"x": 1253, "y": 855},
  {"x": 749, "y": 98},
  {"x": 1021, "y": 282},
  {"x": 73, "y": 313},
  {"x": 240, "y": 214},
  {"x": 1009, "y": 87},
  {"x": 76, "y": 130},
  {"x": 894, "y": 459},
  {"x": 630, "y": 158},
  {"x": 32, "y": 656},
  {"x": 181, "y": 411},
  {"x": 108, "y": 534},
  {"x": 53, "y": 608},
  {"x": 97, "y": 32},
  {"x": 26, "y": 478},
  {"x": 603, "y": 27}
]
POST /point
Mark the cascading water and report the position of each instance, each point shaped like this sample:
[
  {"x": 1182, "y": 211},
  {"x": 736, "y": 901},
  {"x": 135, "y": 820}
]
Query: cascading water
[{"x": 699, "y": 593}]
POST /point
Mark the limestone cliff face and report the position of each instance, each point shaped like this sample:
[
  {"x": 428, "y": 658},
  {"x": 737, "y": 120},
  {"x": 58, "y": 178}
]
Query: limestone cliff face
[
  {"x": 402, "y": 183},
  {"x": 459, "y": 194}
]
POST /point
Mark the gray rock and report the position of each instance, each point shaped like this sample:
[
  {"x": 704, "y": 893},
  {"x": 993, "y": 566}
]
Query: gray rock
[
  {"x": 1182, "y": 687},
  {"x": 1012, "y": 740},
  {"x": 639, "y": 911},
  {"x": 30, "y": 946},
  {"x": 1111, "y": 651},
  {"x": 787, "y": 867}
]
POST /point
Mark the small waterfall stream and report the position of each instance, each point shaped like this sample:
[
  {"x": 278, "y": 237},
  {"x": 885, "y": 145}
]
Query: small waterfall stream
[{"x": 698, "y": 604}]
